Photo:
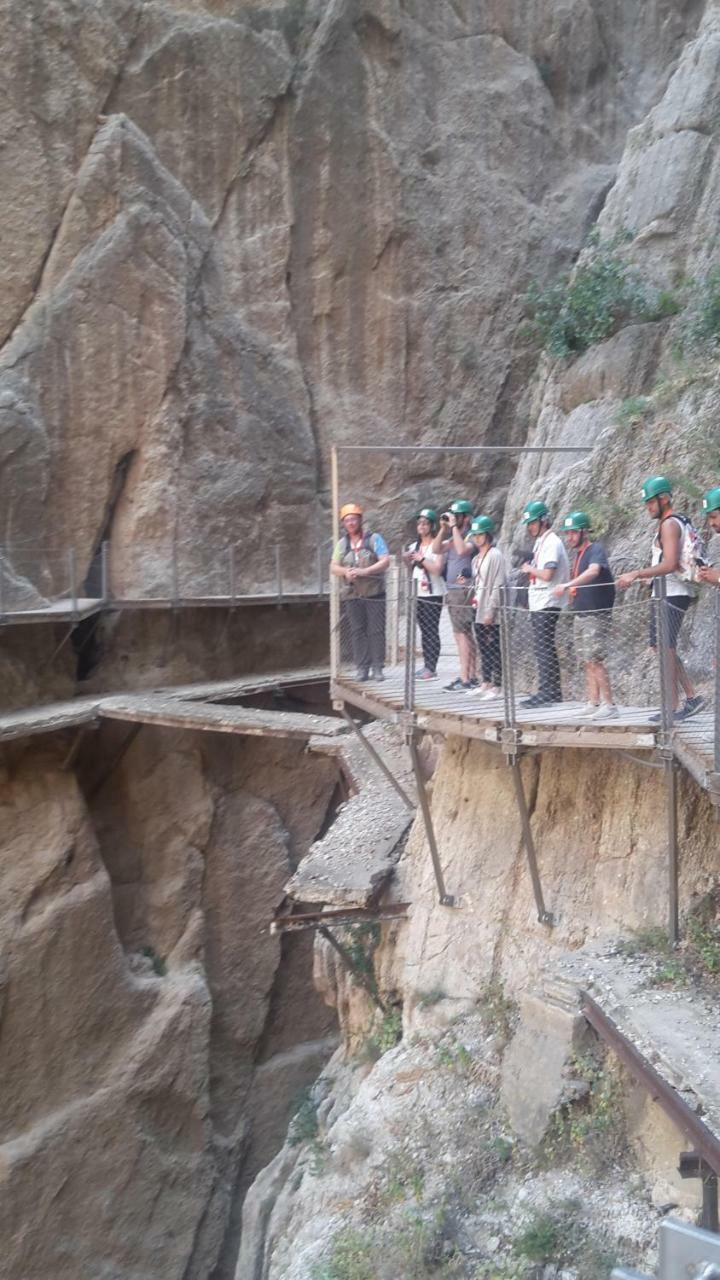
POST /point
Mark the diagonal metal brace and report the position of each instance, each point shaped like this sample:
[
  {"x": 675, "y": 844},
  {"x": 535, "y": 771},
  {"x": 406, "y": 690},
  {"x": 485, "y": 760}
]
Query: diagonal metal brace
[
  {"x": 446, "y": 899},
  {"x": 378, "y": 760},
  {"x": 544, "y": 916}
]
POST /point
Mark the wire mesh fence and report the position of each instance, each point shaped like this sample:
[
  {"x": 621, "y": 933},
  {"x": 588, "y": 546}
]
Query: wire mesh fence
[
  {"x": 367, "y": 628},
  {"x": 617, "y": 665},
  {"x": 40, "y": 580}
]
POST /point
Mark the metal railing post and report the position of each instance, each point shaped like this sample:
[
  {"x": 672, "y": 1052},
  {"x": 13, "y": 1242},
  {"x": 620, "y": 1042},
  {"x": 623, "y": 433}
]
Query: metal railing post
[
  {"x": 320, "y": 567},
  {"x": 278, "y": 572},
  {"x": 175, "y": 577},
  {"x": 716, "y": 745},
  {"x": 2, "y": 588},
  {"x": 393, "y": 607},
  {"x": 334, "y": 627},
  {"x": 73, "y": 581},
  {"x": 508, "y": 681},
  {"x": 667, "y": 711},
  {"x": 231, "y": 553},
  {"x": 104, "y": 572},
  {"x": 412, "y": 623},
  {"x": 667, "y": 708}
]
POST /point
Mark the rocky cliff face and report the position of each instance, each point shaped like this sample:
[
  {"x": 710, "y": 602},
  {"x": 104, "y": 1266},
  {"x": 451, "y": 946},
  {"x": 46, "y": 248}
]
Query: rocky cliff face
[
  {"x": 152, "y": 1034},
  {"x": 236, "y": 232}
]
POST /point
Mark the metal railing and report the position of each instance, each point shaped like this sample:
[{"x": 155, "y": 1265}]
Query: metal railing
[{"x": 38, "y": 582}]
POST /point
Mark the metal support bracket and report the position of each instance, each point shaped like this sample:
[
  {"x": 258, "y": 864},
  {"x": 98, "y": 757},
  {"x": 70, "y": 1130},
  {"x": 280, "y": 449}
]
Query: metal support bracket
[
  {"x": 446, "y": 899},
  {"x": 692, "y": 1165},
  {"x": 510, "y": 740},
  {"x": 378, "y": 760},
  {"x": 544, "y": 916},
  {"x": 361, "y": 978}
]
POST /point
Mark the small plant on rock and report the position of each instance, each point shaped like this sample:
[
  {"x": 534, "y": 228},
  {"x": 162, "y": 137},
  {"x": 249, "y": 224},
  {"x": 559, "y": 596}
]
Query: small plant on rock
[{"x": 602, "y": 294}]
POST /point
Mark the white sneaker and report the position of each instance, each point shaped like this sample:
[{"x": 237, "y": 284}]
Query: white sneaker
[
  {"x": 606, "y": 711},
  {"x": 589, "y": 709},
  {"x": 491, "y": 693},
  {"x": 475, "y": 692}
]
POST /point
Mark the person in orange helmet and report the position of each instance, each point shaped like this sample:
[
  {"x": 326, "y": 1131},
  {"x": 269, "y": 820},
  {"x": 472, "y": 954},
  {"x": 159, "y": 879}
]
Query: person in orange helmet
[{"x": 360, "y": 560}]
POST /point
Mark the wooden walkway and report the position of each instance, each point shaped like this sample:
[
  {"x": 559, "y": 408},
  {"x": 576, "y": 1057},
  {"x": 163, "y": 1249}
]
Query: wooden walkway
[
  {"x": 443, "y": 711},
  {"x": 193, "y": 707},
  {"x": 69, "y": 611},
  {"x": 694, "y": 747}
]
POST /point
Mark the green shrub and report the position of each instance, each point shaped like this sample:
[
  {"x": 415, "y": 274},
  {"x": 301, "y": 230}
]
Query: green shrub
[
  {"x": 602, "y": 294},
  {"x": 634, "y": 411},
  {"x": 591, "y": 1129},
  {"x": 701, "y": 330},
  {"x": 497, "y": 1010},
  {"x": 388, "y": 1032},
  {"x": 159, "y": 965},
  {"x": 351, "y": 1258},
  {"x": 304, "y": 1125}
]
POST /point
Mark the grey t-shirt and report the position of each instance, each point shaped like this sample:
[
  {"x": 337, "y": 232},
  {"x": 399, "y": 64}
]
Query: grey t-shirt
[{"x": 457, "y": 564}]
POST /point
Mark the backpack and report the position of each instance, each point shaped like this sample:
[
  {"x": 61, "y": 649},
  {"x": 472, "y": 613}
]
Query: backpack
[
  {"x": 692, "y": 547},
  {"x": 366, "y": 543}
]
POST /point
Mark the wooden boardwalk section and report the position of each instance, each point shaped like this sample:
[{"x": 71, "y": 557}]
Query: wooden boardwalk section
[
  {"x": 199, "y": 707},
  {"x": 450, "y": 712},
  {"x": 70, "y": 612}
]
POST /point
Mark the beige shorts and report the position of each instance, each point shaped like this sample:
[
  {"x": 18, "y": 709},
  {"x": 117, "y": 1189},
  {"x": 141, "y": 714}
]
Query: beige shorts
[
  {"x": 460, "y": 611},
  {"x": 592, "y": 635}
]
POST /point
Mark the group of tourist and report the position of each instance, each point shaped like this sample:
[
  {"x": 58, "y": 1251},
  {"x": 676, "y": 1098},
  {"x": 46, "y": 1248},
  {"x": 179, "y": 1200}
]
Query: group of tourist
[{"x": 454, "y": 562}]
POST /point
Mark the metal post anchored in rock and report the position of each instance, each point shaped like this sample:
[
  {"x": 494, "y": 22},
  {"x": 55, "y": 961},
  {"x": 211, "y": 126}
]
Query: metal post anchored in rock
[{"x": 446, "y": 899}]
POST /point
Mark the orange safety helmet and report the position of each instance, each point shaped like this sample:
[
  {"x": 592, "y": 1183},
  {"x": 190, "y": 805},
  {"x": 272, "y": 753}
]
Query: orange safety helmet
[{"x": 350, "y": 509}]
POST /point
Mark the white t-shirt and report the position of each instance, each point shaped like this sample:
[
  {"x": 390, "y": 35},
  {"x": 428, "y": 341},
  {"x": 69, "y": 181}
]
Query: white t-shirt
[
  {"x": 674, "y": 584},
  {"x": 428, "y": 576},
  {"x": 548, "y": 550}
]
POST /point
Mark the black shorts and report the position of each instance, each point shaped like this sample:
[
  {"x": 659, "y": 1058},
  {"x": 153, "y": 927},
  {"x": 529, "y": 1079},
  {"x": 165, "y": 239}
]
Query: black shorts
[{"x": 678, "y": 606}]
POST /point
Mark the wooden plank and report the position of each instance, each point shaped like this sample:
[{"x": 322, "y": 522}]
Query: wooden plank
[
  {"x": 171, "y": 714},
  {"x": 50, "y": 718},
  {"x": 57, "y": 611},
  {"x": 241, "y": 686}
]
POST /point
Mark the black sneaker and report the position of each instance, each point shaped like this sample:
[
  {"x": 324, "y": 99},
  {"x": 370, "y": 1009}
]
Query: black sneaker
[
  {"x": 539, "y": 700},
  {"x": 377, "y": 674},
  {"x": 455, "y": 684},
  {"x": 472, "y": 684},
  {"x": 362, "y": 676},
  {"x": 690, "y": 708}
]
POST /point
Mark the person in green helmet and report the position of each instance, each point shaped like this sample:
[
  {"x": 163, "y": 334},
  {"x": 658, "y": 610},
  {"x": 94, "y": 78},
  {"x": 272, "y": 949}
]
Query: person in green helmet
[
  {"x": 666, "y": 562},
  {"x": 548, "y": 568},
  {"x": 454, "y": 543},
  {"x": 711, "y": 506},
  {"x": 591, "y": 593},
  {"x": 430, "y": 586},
  {"x": 489, "y": 578}
]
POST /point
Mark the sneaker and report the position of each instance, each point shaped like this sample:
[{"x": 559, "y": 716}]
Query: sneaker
[
  {"x": 473, "y": 684},
  {"x": 539, "y": 700},
  {"x": 690, "y": 708},
  {"x": 454, "y": 684},
  {"x": 475, "y": 692},
  {"x": 377, "y": 674},
  {"x": 606, "y": 711},
  {"x": 589, "y": 709},
  {"x": 425, "y": 674},
  {"x": 362, "y": 675},
  {"x": 491, "y": 693}
]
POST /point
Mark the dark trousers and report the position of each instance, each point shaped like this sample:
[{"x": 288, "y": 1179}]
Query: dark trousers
[
  {"x": 544, "y": 622},
  {"x": 488, "y": 639},
  {"x": 428, "y": 616},
  {"x": 367, "y": 631}
]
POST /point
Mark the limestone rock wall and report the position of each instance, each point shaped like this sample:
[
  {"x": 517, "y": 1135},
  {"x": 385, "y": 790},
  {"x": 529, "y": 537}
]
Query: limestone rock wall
[
  {"x": 237, "y": 231},
  {"x": 152, "y": 1034}
]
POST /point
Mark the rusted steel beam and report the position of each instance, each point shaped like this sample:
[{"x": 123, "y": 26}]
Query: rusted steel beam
[
  {"x": 676, "y": 1109},
  {"x": 338, "y": 916}
]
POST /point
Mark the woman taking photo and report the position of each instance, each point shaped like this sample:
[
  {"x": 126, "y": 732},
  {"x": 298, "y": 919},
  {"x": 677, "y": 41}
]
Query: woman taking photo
[
  {"x": 489, "y": 577},
  {"x": 430, "y": 587}
]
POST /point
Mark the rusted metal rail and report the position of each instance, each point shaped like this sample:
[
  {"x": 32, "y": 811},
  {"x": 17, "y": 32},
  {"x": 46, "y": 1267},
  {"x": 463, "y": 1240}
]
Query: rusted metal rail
[{"x": 676, "y": 1109}]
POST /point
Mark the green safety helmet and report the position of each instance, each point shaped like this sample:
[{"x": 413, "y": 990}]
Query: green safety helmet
[
  {"x": 711, "y": 500},
  {"x": 577, "y": 520},
  {"x": 656, "y": 485},
  {"x": 535, "y": 511},
  {"x": 462, "y": 508},
  {"x": 427, "y": 513},
  {"x": 482, "y": 524}
]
